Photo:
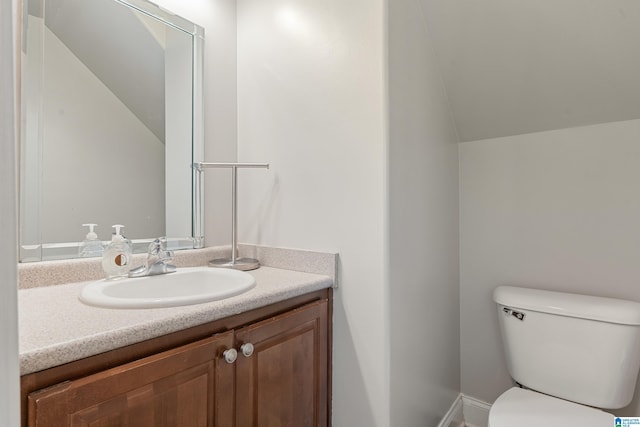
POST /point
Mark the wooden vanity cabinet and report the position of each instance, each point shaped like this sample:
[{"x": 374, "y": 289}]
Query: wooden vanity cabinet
[{"x": 269, "y": 372}]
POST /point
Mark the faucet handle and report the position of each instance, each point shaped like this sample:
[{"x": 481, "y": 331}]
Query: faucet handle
[
  {"x": 159, "y": 246},
  {"x": 158, "y": 251},
  {"x": 158, "y": 258},
  {"x": 155, "y": 247}
]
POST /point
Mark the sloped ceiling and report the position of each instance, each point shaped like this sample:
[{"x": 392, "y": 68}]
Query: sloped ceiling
[
  {"x": 519, "y": 66},
  {"x": 119, "y": 49}
]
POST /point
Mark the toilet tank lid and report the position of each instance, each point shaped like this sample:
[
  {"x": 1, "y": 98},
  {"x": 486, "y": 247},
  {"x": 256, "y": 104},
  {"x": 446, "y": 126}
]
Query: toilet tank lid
[{"x": 571, "y": 305}]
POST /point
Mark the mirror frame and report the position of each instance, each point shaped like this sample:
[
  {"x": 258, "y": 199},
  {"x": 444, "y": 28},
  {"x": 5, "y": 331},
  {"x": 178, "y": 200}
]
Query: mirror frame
[{"x": 69, "y": 250}]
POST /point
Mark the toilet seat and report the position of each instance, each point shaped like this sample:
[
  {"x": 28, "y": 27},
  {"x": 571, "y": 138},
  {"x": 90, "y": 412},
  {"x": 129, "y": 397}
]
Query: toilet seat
[{"x": 527, "y": 408}]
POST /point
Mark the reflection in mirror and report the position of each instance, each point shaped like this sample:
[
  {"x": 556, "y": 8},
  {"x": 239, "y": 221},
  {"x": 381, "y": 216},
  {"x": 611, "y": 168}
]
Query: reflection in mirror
[{"x": 111, "y": 124}]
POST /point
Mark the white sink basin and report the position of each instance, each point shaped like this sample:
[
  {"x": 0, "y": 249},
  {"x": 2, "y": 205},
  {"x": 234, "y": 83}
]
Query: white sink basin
[{"x": 184, "y": 287}]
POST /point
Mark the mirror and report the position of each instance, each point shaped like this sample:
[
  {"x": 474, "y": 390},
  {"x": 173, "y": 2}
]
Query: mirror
[{"x": 111, "y": 124}]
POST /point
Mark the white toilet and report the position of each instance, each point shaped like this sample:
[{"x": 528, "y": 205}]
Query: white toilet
[{"x": 570, "y": 353}]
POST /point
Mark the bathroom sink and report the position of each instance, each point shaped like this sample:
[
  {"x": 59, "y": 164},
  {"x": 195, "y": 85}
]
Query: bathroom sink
[{"x": 184, "y": 287}]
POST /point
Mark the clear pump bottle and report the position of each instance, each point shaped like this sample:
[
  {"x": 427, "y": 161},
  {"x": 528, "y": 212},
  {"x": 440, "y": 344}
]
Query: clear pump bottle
[{"x": 91, "y": 246}]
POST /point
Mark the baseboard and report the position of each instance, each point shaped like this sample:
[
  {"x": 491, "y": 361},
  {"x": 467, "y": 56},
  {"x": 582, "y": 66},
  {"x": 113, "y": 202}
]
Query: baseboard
[
  {"x": 454, "y": 416},
  {"x": 476, "y": 412}
]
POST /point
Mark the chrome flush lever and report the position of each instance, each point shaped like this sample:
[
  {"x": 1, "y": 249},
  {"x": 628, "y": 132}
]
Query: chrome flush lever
[{"x": 517, "y": 314}]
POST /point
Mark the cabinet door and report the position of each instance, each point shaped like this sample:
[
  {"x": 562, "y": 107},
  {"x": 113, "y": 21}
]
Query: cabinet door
[
  {"x": 187, "y": 386},
  {"x": 284, "y": 381}
]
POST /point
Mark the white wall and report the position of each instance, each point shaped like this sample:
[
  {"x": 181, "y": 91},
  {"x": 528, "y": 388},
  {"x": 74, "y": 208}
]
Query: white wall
[
  {"x": 423, "y": 206},
  {"x": 310, "y": 102},
  {"x": 9, "y": 369},
  {"x": 554, "y": 210}
]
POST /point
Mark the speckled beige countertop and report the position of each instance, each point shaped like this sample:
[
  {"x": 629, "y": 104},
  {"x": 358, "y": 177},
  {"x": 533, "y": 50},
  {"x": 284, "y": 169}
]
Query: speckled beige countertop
[{"x": 56, "y": 328}]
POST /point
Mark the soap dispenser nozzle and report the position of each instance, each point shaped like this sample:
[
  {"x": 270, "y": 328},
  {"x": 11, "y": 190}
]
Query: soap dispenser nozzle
[{"x": 117, "y": 227}]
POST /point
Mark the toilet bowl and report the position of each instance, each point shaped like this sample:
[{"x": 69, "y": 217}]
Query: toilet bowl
[{"x": 526, "y": 408}]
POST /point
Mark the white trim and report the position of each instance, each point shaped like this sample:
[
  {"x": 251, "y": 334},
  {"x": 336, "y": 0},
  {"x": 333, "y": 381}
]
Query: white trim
[
  {"x": 454, "y": 416},
  {"x": 476, "y": 412}
]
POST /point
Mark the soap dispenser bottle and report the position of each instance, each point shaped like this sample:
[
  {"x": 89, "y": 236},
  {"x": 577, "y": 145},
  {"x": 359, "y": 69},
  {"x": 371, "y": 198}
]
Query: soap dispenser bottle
[
  {"x": 117, "y": 255},
  {"x": 90, "y": 246}
]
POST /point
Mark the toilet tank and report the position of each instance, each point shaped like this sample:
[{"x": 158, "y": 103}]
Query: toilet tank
[{"x": 580, "y": 348}]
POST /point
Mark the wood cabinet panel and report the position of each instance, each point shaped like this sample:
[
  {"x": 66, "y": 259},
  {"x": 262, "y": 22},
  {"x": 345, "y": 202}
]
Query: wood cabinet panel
[
  {"x": 284, "y": 382},
  {"x": 188, "y": 386}
]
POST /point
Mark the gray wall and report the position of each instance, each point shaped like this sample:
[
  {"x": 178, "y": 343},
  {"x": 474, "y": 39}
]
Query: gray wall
[
  {"x": 554, "y": 210},
  {"x": 423, "y": 226}
]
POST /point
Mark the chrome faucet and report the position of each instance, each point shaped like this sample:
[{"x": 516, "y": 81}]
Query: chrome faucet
[{"x": 158, "y": 260}]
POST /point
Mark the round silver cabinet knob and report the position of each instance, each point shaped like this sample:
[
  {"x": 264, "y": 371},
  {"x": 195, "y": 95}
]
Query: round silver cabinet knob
[
  {"x": 246, "y": 349},
  {"x": 230, "y": 355}
]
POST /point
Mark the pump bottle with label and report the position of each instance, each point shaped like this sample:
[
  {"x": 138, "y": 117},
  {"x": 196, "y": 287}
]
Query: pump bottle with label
[{"x": 117, "y": 256}]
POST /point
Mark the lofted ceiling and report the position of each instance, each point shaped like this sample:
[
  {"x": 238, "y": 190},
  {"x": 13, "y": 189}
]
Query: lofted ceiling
[{"x": 512, "y": 67}]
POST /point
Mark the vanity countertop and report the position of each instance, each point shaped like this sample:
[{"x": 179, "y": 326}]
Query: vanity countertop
[{"x": 56, "y": 328}]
